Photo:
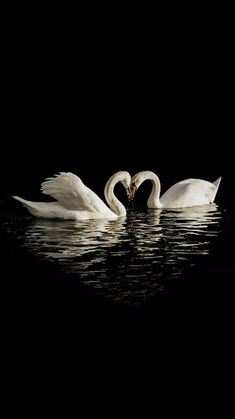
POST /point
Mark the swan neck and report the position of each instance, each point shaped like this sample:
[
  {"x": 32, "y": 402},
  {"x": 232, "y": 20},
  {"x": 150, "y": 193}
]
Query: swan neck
[
  {"x": 154, "y": 197},
  {"x": 115, "y": 205}
]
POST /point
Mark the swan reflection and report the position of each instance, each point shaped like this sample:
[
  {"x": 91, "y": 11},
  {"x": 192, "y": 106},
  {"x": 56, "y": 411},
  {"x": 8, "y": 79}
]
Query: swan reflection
[
  {"x": 69, "y": 239},
  {"x": 126, "y": 260}
]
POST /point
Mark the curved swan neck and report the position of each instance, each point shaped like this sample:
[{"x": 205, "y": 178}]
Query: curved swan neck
[
  {"x": 116, "y": 206},
  {"x": 154, "y": 197}
]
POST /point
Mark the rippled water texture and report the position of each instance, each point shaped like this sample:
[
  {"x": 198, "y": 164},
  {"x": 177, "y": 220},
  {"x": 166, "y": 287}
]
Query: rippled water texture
[{"x": 127, "y": 260}]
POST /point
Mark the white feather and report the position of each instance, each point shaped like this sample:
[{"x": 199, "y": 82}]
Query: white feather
[
  {"x": 75, "y": 201},
  {"x": 187, "y": 193}
]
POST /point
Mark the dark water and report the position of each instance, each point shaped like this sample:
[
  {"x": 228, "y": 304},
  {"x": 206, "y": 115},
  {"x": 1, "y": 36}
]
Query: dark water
[
  {"x": 128, "y": 260},
  {"x": 113, "y": 314}
]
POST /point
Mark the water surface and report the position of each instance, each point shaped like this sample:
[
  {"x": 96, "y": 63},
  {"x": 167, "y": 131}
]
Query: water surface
[{"x": 127, "y": 260}]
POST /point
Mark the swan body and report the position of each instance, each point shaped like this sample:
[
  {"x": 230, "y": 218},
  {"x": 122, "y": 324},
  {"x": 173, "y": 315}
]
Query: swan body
[
  {"x": 187, "y": 193},
  {"x": 75, "y": 201}
]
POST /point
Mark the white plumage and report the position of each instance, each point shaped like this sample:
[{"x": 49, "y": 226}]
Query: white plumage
[
  {"x": 76, "y": 201},
  {"x": 186, "y": 193}
]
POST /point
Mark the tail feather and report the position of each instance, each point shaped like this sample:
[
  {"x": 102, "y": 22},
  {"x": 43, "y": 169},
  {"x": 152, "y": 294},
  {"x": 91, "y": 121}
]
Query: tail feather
[
  {"x": 32, "y": 207},
  {"x": 23, "y": 201},
  {"x": 217, "y": 182},
  {"x": 215, "y": 189}
]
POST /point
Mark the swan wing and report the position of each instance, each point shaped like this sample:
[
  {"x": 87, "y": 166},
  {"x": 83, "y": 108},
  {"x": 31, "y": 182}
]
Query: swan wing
[
  {"x": 71, "y": 193},
  {"x": 188, "y": 193}
]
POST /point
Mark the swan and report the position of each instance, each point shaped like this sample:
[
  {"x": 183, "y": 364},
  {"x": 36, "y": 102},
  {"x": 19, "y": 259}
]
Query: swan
[
  {"x": 187, "y": 193},
  {"x": 75, "y": 201}
]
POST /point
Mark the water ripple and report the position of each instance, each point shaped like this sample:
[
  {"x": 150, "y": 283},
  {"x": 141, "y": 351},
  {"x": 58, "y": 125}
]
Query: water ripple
[{"x": 127, "y": 260}]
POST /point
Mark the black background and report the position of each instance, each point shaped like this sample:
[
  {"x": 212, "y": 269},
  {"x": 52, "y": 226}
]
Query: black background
[{"x": 93, "y": 111}]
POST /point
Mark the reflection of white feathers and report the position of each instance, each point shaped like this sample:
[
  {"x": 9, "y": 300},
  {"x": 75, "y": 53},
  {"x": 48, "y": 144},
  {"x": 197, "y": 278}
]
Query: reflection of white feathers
[
  {"x": 71, "y": 239},
  {"x": 175, "y": 230},
  {"x": 129, "y": 259},
  {"x": 187, "y": 193},
  {"x": 75, "y": 201}
]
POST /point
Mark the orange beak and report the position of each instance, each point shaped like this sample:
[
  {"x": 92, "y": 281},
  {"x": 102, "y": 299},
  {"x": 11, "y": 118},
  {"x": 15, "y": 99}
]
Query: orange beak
[{"x": 131, "y": 192}]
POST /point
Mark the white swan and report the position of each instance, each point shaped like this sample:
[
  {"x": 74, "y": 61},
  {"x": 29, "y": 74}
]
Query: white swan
[
  {"x": 75, "y": 201},
  {"x": 187, "y": 193}
]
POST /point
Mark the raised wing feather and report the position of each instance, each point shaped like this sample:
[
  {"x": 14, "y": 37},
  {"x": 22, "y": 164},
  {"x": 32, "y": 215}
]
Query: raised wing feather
[{"x": 71, "y": 193}]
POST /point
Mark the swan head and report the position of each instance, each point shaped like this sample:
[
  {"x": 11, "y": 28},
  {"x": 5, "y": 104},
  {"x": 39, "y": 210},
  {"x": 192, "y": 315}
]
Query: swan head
[
  {"x": 136, "y": 181},
  {"x": 131, "y": 191},
  {"x": 125, "y": 179}
]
